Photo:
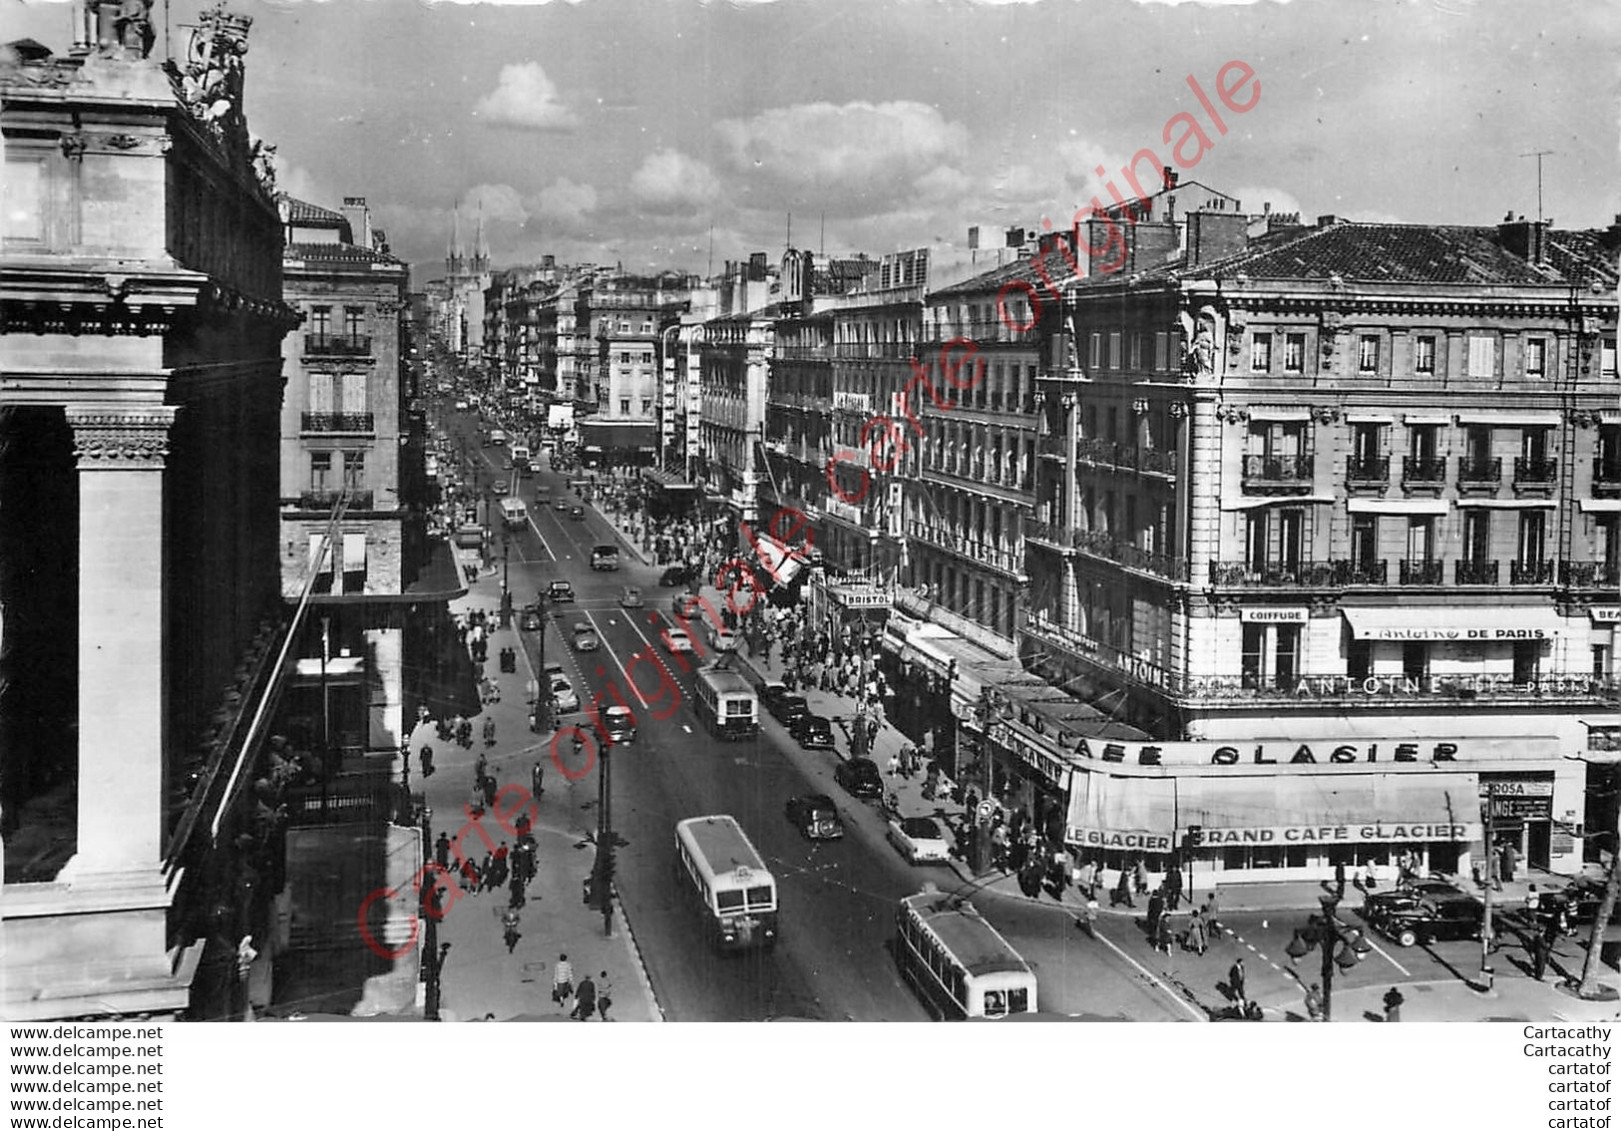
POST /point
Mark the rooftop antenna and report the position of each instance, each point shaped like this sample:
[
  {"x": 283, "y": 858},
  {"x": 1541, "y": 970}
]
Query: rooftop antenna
[
  {"x": 822, "y": 251},
  {"x": 1539, "y": 154},
  {"x": 790, "y": 236},
  {"x": 711, "y": 249}
]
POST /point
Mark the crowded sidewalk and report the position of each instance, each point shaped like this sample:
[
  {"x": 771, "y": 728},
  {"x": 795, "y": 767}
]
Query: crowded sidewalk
[{"x": 509, "y": 927}]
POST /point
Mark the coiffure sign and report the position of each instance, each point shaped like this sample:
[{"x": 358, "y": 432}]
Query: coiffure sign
[{"x": 1318, "y": 752}]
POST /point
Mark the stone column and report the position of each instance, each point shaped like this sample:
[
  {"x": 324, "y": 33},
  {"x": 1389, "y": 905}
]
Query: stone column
[{"x": 120, "y": 452}]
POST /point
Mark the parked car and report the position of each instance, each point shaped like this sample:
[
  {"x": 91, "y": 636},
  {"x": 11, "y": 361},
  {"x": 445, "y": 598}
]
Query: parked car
[
  {"x": 919, "y": 839},
  {"x": 677, "y": 640},
  {"x": 677, "y": 575},
  {"x": 1407, "y": 894},
  {"x": 859, "y": 777},
  {"x": 585, "y": 637},
  {"x": 620, "y": 724},
  {"x": 1430, "y": 919},
  {"x": 529, "y": 618},
  {"x": 630, "y": 597},
  {"x": 564, "y": 695},
  {"x": 551, "y": 671},
  {"x": 816, "y": 816},
  {"x": 788, "y": 709},
  {"x": 813, "y": 732},
  {"x": 560, "y": 591}
]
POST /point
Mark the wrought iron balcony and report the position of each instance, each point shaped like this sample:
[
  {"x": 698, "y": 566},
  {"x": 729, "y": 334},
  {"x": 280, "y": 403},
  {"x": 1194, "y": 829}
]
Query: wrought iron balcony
[
  {"x": 1423, "y": 471},
  {"x": 1606, "y": 476},
  {"x": 1590, "y": 575},
  {"x": 1277, "y": 475},
  {"x": 1420, "y": 572},
  {"x": 1475, "y": 572},
  {"x": 1372, "y": 472},
  {"x": 1536, "y": 473},
  {"x": 1093, "y": 450},
  {"x": 338, "y": 422},
  {"x": 341, "y": 345},
  {"x": 1296, "y": 575},
  {"x": 1530, "y": 573},
  {"x": 1480, "y": 472},
  {"x": 1366, "y": 573},
  {"x": 325, "y": 500},
  {"x": 1155, "y": 461}
]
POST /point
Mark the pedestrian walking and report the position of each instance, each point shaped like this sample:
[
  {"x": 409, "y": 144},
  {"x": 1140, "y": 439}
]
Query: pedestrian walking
[
  {"x": 1213, "y": 927},
  {"x": 1314, "y": 1002},
  {"x": 895, "y": 765},
  {"x": 1508, "y": 858},
  {"x": 1156, "y": 911},
  {"x": 1173, "y": 887},
  {"x": 1088, "y": 921},
  {"x": 509, "y": 929},
  {"x": 1235, "y": 982},
  {"x": 1163, "y": 935},
  {"x": 1339, "y": 879},
  {"x": 1538, "y": 947},
  {"x": 1139, "y": 876},
  {"x": 489, "y": 791},
  {"x": 441, "y": 850},
  {"x": 515, "y": 896},
  {"x": 585, "y": 1000},
  {"x": 536, "y": 775},
  {"x": 1195, "y": 939},
  {"x": 489, "y": 730},
  {"x": 1084, "y": 878},
  {"x": 562, "y": 980},
  {"x": 1393, "y": 1003},
  {"x": 1122, "y": 891},
  {"x": 1532, "y": 900},
  {"x": 605, "y": 996}
]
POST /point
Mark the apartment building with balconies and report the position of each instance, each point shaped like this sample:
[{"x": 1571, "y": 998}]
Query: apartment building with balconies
[
  {"x": 1352, "y": 487},
  {"x": 618, "y": 323}
]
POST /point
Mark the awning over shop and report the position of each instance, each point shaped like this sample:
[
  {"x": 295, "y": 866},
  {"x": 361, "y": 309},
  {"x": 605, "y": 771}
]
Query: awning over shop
[
  {"x": 1130, "y": 814},
  {"x": 1468, "y": 625},
  {"x": 666, "y": 481},
  {"x": 782, "y": 562},
  {"x": 637, "y": 434},
  {"x": 1330, "y": 808}
]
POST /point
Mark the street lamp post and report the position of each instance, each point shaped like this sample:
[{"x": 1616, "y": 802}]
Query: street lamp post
[
  {"x": 1342, "y": 945},
  {"x": 603, "y": 868},
  {"x": 506, "y": 591}
]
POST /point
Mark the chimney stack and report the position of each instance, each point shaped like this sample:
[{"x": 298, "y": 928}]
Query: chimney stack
[
  {"x": 1215, "y": 235},
  {"x": 1527, "y": 239},
  {"x": 359, "y": 217}
]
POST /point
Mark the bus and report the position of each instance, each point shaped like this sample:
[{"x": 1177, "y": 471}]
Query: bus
[
  {"x": 726, "y": 703},
  {"x": 957, "y": 962},
  {"x": 736, "y": 895}
]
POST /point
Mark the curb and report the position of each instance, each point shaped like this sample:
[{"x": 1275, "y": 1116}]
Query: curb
[{"x": 641, "y": 963}]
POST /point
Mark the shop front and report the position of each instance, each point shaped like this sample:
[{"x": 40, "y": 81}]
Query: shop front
[{"x": 1294, "y": 811}]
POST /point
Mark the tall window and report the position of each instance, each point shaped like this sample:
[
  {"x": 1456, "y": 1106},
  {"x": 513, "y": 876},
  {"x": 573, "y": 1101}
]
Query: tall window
[
  {"x": 352, "y": 388},
  {"x": 1607, "y": 358},
  {"x": 624, "y": 406},
  {"x": 1367, "y": 354},
  {"x": 1482, "y": 356},
  {"x": 321, "y": 320},
  {"x": 320, "y": 472},
  {"x": 1420, "y": 538},
  {"x": 1365, "y": 448},
  {"x": 1477, "y": 534},
  {"x": 1162, "y": 352},
  {"x": 1114, "y": 349},
  {"x": 1536, "y": 357},
  {"x": 354, "y": 471},
  {"x": 1286, "y": 657},
  {"x": 1421, "y": 444},
  {"x": 1533, "y": 537},
  {"x": 1478, "y": 443},
  {"x": 354, "y": 321},
  {"x": 1294, "y": 353},
  {"x": 1094, "y": 356},
  {"x": 1415, "y": 660},
  {"x": 1364, "y": 540},
  {"x": 1261, "y": 353},
  {"x": 1424, "y": 354},
  {"x": 1534, "y": 444},
  {"x": 1253, "y": 654}
]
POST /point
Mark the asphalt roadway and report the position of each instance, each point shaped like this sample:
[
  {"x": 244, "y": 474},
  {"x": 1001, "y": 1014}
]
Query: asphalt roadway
[{"x": 832, "y": 960}]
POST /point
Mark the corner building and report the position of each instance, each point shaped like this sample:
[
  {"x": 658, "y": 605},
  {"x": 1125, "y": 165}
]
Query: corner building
[{"x": 1331, "y": 513}]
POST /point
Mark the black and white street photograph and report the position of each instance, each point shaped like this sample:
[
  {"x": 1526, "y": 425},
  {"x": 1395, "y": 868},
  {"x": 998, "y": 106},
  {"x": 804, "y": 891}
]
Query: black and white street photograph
[{"x": 636, "y": 511}]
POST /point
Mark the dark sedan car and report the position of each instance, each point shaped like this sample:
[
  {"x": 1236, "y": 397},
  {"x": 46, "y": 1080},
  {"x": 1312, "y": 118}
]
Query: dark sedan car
[
  {"x": 816, "y": 816},
  {"x": 677, "y": 575},
  {"x": 560, "y": 590},
  {"x": 529, "y": 619},
  {"x": 788, "y": 709},
  {"x": 813, "y": 732},
  {"x": 1430, "y": 919},
  {"x": 859, "y": 777}
]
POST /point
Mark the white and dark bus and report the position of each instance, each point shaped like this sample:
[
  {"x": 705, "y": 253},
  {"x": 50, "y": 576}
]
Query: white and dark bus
[
  {"x": 726, "y": 703},
  {"x": 736, "y": 896},
  {"x": 957, "y": 962}
]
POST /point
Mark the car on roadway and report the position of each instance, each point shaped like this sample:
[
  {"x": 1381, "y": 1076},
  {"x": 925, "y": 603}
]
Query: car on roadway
[
  {"x": 859, "y": 777},
  {"x": 563, "y": 694},
  {"x": 551, "y": 670},
  {"x": 529, "y": 619},
  {"x": 585, "y": 637},
  {"x": 1407, "y": 894},
  {"x": 605, "y": 556},
  {"x": 725, "y": 640},
  {"x": 461, "y": 406},
  {"x": 816, "y": 817},
  {"x": 562, "y": 504},
  {"x": 620, "y": 724},
  {"x": 677, "y": 575},
  {"x": 630, "y": 597},
  {"x": 499, "y": 487},
  {"x": 920, "y": 839},
  {"x": 560, "y": 590},
  {"x": 1432, "y": 918},
  {"x": 577, "y": 513},
  {"x": 677, "y": 640},
  {"x": 813, "y": 732}
]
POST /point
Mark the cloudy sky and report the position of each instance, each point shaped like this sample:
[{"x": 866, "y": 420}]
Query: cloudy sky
[{"x": 638, "y": 131}]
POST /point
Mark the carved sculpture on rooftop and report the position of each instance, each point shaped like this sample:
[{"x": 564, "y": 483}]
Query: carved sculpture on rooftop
[{"x": 210, "y": 80}]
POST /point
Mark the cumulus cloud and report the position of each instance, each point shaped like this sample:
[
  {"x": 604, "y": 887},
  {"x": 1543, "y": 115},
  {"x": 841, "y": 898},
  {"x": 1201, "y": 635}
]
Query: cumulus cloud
[
  {"x": 669, "y": 179},
  {"x": 525, "y": 99},
  {"x": 565, "y": 201},
  {"x": 851, "y": 146},
  {"x": 495, "y": 203}
]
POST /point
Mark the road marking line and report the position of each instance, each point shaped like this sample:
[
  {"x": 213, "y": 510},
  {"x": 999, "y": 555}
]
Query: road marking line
[
  {"x": 1263, "y": 957},
  {"x": 1197, "y": 1015},
  {"x": 686, "y": 728},
  {"x": 1405, "y": 973}
]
